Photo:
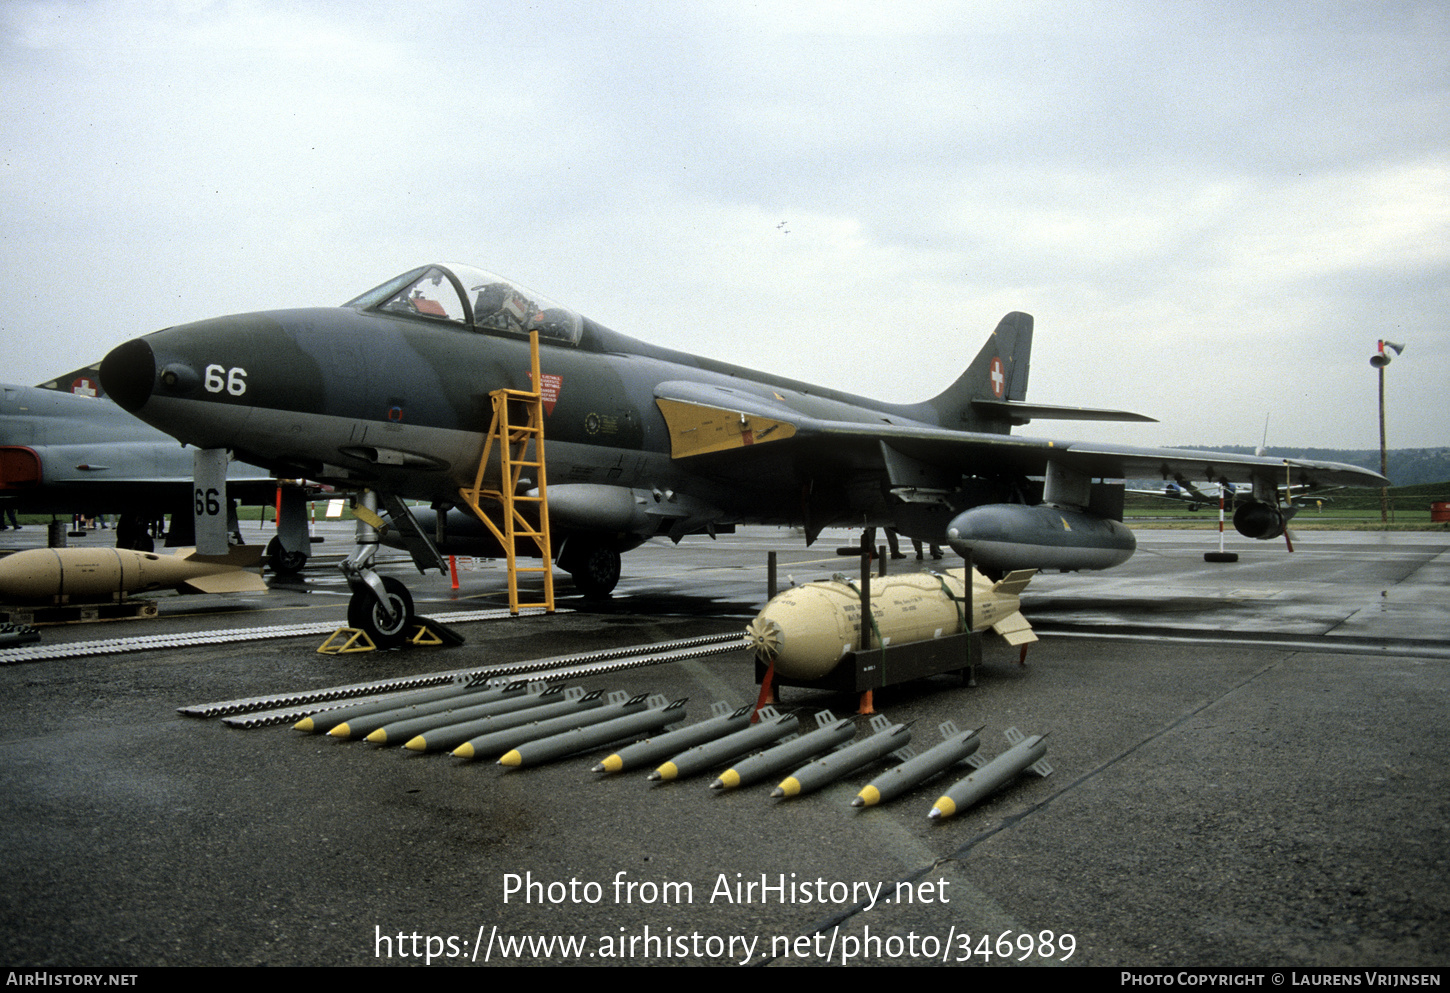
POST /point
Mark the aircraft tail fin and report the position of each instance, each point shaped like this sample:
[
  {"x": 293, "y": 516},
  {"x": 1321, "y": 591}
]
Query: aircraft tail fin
[
  {"x": 85, "y": 381},
  {"x": 998, "y": 373},
  {"x": 991, "y": 396}
]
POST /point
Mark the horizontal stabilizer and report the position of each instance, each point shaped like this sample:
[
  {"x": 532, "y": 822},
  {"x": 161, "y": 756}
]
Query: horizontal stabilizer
[{"x": 1021, "y": 413}]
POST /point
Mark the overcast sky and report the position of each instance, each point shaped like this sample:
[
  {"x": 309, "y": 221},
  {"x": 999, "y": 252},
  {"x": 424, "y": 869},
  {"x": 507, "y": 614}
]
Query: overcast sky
[{"x": 1213, "y": 210}]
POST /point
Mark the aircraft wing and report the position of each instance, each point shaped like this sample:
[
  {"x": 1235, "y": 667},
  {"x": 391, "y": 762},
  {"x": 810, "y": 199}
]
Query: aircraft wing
[
  {"x": 706, "y": 420},
  {"x": 1031, "y": 455}
]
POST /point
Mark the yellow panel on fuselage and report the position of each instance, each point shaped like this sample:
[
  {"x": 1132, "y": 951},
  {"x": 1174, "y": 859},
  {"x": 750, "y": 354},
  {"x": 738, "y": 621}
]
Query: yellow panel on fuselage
[{"x": 696, "y": 429}]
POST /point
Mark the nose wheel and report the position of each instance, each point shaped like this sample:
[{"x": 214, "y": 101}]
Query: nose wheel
[
  {"x": 381, "y": 606},
  {"x": 385, "y": 621}
]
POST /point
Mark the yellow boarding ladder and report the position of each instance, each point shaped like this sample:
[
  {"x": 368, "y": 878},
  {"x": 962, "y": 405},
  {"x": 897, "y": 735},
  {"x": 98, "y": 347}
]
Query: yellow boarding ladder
[{"x": 513, "y": 447}]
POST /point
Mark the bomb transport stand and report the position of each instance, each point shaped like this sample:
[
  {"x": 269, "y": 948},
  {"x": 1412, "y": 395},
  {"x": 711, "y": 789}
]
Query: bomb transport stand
[{"x": 875, "y": 661}]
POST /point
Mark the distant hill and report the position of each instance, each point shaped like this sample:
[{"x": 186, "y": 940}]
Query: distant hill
[
  {"x": 1418, "y": 496},
  {"x": 1407, "y": 466}
]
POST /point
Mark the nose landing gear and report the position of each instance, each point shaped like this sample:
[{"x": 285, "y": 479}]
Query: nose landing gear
[
  {"x": 386, "y": 621},
  {"x": 381, "y": 606}
]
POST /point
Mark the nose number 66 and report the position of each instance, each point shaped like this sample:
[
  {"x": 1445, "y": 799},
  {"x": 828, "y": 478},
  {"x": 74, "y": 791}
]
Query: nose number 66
[{"x": 233, "y": 380}]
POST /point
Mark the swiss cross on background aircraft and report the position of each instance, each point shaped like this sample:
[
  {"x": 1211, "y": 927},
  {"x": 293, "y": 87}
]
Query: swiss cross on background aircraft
[{"x": 647, "y": 441}]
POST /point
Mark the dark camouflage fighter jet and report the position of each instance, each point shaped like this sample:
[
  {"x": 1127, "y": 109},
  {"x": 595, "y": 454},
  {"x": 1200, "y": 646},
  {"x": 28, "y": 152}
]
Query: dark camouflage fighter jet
[{"x": 391, "y": 393}]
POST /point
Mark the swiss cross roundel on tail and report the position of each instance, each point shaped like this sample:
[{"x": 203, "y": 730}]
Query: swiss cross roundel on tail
[{"x": 998, "y": 378}]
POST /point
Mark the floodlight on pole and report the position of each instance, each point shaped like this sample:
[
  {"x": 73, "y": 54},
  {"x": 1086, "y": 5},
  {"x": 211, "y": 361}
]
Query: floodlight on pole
[{"x": 1379, "y": 360}]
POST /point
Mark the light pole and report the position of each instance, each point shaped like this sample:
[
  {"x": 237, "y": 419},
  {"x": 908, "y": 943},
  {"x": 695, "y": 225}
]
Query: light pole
[{"x": 1379, "y": 360}]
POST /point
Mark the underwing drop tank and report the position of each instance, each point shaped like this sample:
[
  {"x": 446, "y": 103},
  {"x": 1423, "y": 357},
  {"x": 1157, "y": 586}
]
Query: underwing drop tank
[
  {"x": 1002, "y": 537},
  {"x": 805, "y": 631},
  {"x": 1260, "y": 520}
]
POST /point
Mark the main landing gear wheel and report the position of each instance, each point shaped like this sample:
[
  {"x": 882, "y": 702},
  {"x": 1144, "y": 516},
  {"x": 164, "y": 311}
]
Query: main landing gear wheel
[
  {"x": 283, "y": 562},
  {"x": 595, "y": 569},
  {"x": 366, "y": 614}
]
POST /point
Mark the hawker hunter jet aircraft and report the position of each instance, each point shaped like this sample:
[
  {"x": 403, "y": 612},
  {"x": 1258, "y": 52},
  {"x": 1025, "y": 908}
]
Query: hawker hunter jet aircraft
[{"x": 390, "y": 393}]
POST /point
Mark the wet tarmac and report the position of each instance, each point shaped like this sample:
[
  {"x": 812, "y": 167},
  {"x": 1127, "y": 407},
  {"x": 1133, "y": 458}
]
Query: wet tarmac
[{"x": 1250, "y": 769}]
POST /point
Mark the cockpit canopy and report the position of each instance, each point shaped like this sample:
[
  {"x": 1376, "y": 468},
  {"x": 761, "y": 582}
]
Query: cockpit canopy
[{"x": 471, "y": 298}]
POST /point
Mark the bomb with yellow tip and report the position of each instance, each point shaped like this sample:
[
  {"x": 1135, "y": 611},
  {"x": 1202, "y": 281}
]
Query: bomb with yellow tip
[
  {"x": 725, "y": 722},
  {"x": 888, "y": 737},
  {"x": 829, "y": 733},
  {"x": 1026, "y": 755},
  {"x": 627, "y": 727},
  {"x": 916, "y": 769}
]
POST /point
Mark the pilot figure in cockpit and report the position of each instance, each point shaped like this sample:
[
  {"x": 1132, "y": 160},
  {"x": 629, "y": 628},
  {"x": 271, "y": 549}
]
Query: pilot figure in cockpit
[
  {"x": 503, "y": 308},
  {"x": 489, "y": 303}
]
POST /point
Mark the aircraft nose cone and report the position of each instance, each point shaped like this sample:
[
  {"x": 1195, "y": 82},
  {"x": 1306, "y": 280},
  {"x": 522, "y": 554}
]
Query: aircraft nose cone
[{"x": 128, "y": 374}]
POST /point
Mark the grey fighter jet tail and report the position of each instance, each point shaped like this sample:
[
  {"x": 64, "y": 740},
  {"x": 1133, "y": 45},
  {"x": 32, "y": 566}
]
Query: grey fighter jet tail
[
  {"x": 991, "y": 396},
  {"x": 980, "y": 398}
]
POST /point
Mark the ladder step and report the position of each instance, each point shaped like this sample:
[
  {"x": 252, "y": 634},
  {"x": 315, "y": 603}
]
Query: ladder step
[{"x": 518, "y": 420}]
